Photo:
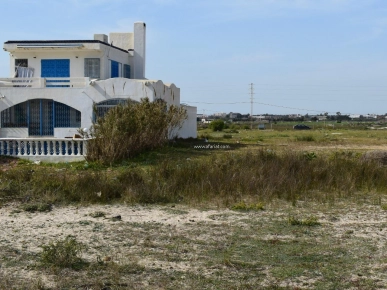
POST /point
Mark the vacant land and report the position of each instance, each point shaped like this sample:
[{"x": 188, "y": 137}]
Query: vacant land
[
  {"x": 170, "y": 247},
  {"x": 276, "y": 210}
]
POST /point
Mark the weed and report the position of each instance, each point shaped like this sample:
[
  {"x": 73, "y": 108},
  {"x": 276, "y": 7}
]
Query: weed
[
  {"x": 310, "y": 221},
  {"x": 40, "y": 207},
  {"x": 63, "y": 253},
  {"x": 227, "y": 136},
  {"x": 306, "y": 138},
  {"x": 310, "y": 155},
  {"x": 247, "y": 207},
  {"x": 97, "y": 214},
  {"x": 384, "y": 206}
]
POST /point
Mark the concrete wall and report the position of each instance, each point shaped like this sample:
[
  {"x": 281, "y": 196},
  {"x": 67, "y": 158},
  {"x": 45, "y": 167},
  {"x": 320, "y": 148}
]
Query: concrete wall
[{"x": 189, "y": 127}]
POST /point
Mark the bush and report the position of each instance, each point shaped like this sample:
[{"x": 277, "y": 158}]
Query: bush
[
  {"x": 63, "y": 254},
  {"x": 310, "y": 221},
  {"x": 306, "y": 138},
  {"x": 128, "y": 130},
  {"x": 217, "y": 125},
  {"x": 242, "y": 206}
]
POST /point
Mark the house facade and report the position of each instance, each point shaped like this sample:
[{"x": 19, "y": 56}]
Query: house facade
[{"x": 53, "y": 85}]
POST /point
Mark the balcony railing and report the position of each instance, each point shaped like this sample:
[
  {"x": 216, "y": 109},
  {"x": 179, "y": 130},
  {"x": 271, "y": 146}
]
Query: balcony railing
[
  {"x": 45, "y": 82},
  {"x": 44, "y": 149}
]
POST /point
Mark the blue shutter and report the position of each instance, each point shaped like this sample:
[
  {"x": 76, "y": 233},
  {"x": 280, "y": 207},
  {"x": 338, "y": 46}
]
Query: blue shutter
[
  {"x": 55, "y": 68},
  {"x": 114, "y": 69}
]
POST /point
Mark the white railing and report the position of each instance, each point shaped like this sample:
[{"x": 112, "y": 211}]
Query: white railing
[
  {"x": 45, "y": 82},
  {"x": 52, "y": 149}
]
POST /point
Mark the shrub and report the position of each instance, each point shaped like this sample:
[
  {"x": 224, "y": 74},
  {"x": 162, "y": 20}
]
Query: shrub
[
  {"x": 217, "y": 125},
  {"x": 306, "y": 138},
  {"x": 41, "y": 207},
  {"x": 310, "y": 221},
  {"x": 63, "y": 254},
  {"x": 242, "y": 206},
  {"x": 128, "y": 130}
]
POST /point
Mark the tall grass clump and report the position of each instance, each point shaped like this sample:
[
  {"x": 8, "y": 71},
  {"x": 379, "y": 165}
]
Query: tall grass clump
[{"x": 127, "y": 130}]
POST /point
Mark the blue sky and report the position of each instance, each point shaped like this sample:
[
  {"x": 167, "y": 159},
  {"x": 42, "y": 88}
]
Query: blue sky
[{"x": 303, "y": 56}]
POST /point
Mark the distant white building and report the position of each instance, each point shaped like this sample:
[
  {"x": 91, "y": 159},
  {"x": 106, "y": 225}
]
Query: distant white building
[{"x": 54, "y": 84}]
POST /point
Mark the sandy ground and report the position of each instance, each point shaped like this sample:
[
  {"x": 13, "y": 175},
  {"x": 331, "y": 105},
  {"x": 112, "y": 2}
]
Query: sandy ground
[{"x": 155, "y": 227}]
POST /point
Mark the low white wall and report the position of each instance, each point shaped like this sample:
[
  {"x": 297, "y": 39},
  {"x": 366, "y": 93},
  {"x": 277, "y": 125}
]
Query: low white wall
[
  {"x": 13, "y": 132},
  {"x": 189, "y": 128}
]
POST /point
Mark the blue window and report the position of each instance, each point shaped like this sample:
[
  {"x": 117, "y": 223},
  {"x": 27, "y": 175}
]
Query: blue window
[
  {"x": 55, "y": 68},
  {"x": 127, "y": 71},
  {"x": 115, "y": 69}
]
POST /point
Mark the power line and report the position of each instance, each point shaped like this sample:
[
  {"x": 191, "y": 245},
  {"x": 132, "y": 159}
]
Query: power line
[{"x": 265, "y": 104}]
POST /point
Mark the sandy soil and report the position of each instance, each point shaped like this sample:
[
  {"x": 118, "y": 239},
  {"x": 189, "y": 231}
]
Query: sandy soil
[{"x": 155, "y": 227}]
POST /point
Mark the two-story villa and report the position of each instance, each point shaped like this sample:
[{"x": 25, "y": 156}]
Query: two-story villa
[{"x": 54, "y": 84}]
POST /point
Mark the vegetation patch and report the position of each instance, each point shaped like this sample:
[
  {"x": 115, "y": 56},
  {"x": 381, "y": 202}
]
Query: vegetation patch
[
  {"x": 63, "y": 254},
  {"x": 306, "y": 138},
  {"x": 309, "y": 221},
  {"x": 242, "y": 206},
  {"x": 128, "y": 130},
  {"x": 97, "y": 214},
  {"x": 34, "y": 207}
]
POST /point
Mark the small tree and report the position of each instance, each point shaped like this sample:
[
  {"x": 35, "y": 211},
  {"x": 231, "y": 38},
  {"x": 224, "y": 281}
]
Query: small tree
[
  {"x": 217, "y": 125},
  {"x": 127, "y": 130}
]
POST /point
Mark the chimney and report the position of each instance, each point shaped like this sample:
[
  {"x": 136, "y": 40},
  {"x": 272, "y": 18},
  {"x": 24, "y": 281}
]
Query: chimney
[
  {"x": 101, "y": 37},
  {"x": 139, "y": 50}
]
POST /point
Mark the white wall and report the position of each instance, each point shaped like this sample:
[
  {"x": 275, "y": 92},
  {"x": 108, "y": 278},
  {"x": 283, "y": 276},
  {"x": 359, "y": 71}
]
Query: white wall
[
  {"x": 13, "y": 132},
  {"x": 189, "y": 128}
]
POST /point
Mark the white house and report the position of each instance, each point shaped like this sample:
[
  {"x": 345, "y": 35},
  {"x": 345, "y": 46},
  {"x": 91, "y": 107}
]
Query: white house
[{"x": 54, "y": 84}]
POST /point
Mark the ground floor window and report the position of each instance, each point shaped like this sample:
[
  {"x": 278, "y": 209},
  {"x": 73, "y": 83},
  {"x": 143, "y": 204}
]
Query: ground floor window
[
  {"x": 103, "y": 107},
  {"x": 40, "y": 116}
]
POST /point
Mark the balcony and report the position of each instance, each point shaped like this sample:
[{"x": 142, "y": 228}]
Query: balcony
[{"x": 45, "y": 82}]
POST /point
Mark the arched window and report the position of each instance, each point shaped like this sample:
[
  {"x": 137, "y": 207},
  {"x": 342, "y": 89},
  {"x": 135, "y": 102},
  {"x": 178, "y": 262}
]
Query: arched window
[{"x": 40, "y": 116}]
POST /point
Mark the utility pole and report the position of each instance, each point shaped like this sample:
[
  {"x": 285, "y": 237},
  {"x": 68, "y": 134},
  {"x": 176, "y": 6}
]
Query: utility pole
[{"x": 251, "y": 102}]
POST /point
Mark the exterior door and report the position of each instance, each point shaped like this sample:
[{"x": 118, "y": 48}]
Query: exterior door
[{"x": 40, "y": 118}]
